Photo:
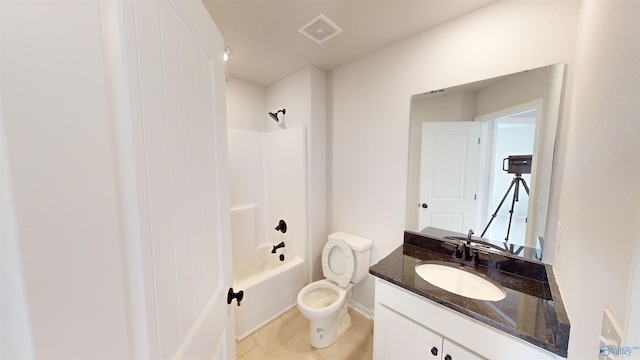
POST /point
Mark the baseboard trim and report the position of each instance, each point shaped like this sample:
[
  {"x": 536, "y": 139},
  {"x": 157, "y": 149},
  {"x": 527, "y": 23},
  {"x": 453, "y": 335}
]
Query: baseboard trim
[{"x": 364, "y": 311}]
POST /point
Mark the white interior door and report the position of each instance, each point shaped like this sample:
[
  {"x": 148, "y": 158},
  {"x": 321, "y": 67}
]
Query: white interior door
[
  {"x": 449, "y": 175},
  {"x": 116, "y": 153},
  {"x": 178, "y": 130}
]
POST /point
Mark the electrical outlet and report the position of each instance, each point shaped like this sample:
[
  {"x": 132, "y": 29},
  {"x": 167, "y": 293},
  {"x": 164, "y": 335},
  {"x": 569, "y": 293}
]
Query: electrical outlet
[
  {"x": 610, "y": 336},
  {"x": 558, "y": 235}
]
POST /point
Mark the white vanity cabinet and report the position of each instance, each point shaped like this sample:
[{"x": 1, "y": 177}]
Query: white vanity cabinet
[
  {"x": 408, "y": 326},
  {"x": 398, "y": 337},
  {"x": 453, "y": 351}
]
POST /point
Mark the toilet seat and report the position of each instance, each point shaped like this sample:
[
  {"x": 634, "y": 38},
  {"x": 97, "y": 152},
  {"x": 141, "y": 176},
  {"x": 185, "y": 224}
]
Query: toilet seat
[{"x": 338, "y": 262}]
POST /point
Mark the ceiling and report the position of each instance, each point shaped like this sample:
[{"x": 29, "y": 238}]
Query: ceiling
[{"x": 266, "y": 46}]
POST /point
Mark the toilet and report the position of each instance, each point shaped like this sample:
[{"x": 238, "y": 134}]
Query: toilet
[{"x": 345, "y": 262}]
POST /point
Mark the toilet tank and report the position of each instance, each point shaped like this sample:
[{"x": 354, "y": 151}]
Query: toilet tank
[{"x": 361, "y": 248}]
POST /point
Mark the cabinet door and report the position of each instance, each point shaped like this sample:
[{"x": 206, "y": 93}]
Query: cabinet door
[
  {"x": 453, "y": 351},
  {"x": 397, "y": 337}
]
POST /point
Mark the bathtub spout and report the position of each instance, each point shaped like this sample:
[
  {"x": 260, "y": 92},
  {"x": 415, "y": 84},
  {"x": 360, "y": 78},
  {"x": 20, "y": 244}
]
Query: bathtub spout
[{"x": 281, "y": 245}]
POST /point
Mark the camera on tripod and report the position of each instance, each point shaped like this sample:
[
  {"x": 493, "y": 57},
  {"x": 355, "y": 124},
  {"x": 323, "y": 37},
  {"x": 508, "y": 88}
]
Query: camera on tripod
[{"x": 517, "y": 164}]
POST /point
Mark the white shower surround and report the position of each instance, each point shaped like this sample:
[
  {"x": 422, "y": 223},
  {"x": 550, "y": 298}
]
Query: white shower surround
[{"x": 267, "y": 183}]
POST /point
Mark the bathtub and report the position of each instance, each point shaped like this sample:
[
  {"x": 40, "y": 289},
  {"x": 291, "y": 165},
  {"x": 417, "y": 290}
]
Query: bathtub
[
  {"x": 267, "y": 174},
  {"x": 268, "y": 293}
]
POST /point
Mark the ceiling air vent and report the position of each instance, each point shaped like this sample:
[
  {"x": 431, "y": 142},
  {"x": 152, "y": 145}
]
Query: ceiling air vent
[{"x": 320, "y": 29}]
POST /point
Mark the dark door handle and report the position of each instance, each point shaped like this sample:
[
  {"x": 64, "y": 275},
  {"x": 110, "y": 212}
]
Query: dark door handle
[
  {"x": 448, "y": 357},
  {"x": 231, "y": 295},
  {"x": 434, "y": 351},
  {"x": 424, "y": 205}
]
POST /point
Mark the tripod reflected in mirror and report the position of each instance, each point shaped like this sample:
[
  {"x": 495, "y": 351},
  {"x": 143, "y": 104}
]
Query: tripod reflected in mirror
[{"x": 517, "y": 165}]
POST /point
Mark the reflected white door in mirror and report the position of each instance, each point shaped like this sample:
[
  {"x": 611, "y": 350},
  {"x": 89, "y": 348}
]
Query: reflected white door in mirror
[{"x": 449, "y": 175}]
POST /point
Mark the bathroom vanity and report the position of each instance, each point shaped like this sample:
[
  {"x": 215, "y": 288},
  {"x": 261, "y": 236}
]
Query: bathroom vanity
[{"x": 416, "y": 319}]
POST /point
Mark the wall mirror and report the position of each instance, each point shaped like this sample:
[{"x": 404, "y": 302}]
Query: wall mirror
[{"x": 481, "y": 158}]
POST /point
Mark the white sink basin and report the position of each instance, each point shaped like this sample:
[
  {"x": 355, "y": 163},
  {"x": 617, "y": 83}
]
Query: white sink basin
[{"x": 461, "y": 282}]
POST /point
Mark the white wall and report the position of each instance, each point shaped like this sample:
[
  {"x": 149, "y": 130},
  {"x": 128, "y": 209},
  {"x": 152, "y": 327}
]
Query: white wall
[
  {"x": 317, "y": 171},
  {"x": 16, "y": 341},
  {"x": 370, "y": 99},
  {"x": 599, "y": 189},
  {"x": 511, "y": 92},
  {"x": 246, "y": 106},
  {"x": 294, "y": 94},
  {"x": 632, "y": 330},
  {"x": 303, "y": 94}
]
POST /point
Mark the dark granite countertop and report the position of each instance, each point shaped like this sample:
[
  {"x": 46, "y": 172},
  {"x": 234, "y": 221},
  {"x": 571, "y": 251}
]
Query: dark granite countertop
[{"x": 532, "y": 309}]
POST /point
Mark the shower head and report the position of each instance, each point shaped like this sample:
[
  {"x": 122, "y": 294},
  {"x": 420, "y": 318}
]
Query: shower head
[{"x": 275, "y": 117}]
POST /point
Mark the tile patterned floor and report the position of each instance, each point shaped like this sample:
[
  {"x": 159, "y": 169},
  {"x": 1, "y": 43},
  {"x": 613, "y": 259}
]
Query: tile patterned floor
[{"x": 287, "y": 337}]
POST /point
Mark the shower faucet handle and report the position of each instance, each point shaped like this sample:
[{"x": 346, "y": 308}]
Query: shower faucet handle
[
  {"x": 232, "y": 295},
  {"x": 282, "y": 226}
]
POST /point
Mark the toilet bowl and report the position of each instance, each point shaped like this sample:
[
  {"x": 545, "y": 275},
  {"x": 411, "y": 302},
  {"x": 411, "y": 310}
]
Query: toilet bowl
[
  {"x": 345, "y": 261},
  {"x": 325, "y": 305},
  {"x": 322, "y": 298}
]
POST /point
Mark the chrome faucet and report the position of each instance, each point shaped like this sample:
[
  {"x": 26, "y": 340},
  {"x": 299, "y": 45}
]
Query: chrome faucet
[{"x": 469, "y": 236}]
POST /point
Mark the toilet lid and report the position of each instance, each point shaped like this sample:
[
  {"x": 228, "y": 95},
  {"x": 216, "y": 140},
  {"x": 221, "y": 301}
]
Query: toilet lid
[{"x": 338, "y": 262}]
